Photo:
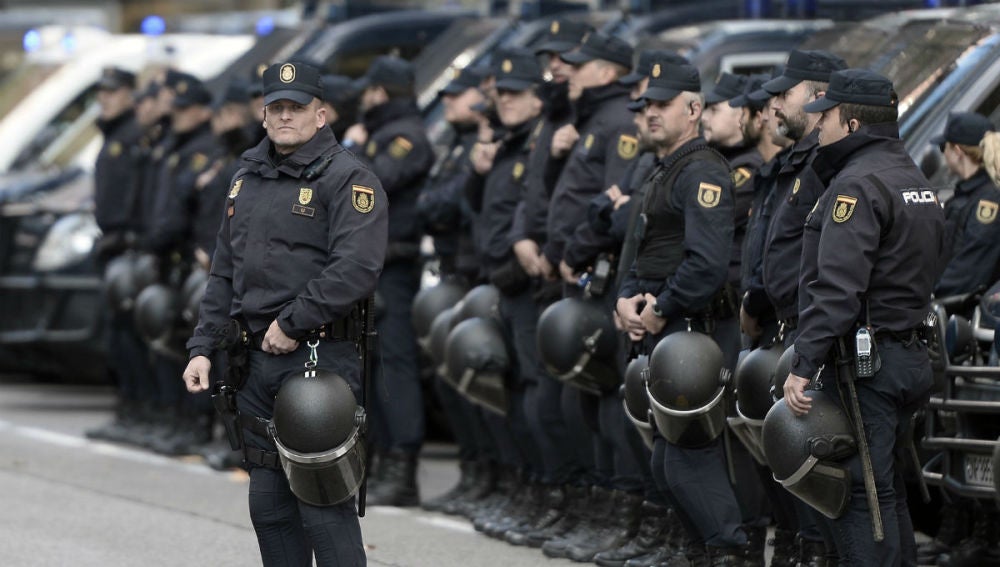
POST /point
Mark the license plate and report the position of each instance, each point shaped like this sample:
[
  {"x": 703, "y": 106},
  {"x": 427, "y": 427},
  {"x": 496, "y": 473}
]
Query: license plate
[{"x": 979, "y": 470}]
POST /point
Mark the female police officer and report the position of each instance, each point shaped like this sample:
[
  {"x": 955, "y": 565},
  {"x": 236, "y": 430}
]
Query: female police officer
[{"x": 302, "y": 241}]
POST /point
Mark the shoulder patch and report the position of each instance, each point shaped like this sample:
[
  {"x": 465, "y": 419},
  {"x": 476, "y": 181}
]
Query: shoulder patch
[
  {"x": 363, "y": 198},
  {"x": 115, "y": 149},
  {"x": 173, "y": 160},
  {"x": 237, "y": 185},
  {"x": 844, "y": 208},
  {"x": 986, "y": 211},
  {"x": 795, "y": 187},
  {"x": 371, "y": 148},
  {"x": 518, "y": 171},
  {"x": 628, "y": 146},
  {"x": 709, "y": 195},
  {"x": 198, "y": 162},
  {"x": 400, "y": 147},
  {"x": 588, "y": 141},
  {"x": 741, "y": 175}
]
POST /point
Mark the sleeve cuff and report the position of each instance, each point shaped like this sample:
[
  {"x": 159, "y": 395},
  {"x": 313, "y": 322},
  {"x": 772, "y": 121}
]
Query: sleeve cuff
[
  {"x": 802, "y": 366},
  {"x": 668, "y": 308}
]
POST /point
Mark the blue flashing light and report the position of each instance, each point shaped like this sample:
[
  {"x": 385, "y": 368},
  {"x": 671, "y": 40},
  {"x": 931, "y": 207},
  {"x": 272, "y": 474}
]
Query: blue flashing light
[
  {"x": 32, "y": 40},
  {"x": 265, "y": 25},
  {"x": 932, "y": 3},
  {"x": 153, "y": 25},
  {"x": 68, "y": 42}
]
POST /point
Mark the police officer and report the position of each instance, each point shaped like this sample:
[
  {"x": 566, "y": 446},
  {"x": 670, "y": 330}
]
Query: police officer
[
  {"x": 391, "y": 138},
  {"x": 340, "y": 98},
  {"x": 679, "y": 271},
  {"x": 973, "y": 234},
  {"x": 116, "y": 179},
  {"x": 302, "y": 241},
  {"x": 872, "y": 251},
  {"x": 803, "y": 79}
]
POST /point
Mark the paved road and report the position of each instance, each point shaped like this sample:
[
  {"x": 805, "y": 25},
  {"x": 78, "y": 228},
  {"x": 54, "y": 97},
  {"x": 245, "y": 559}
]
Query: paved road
[{"x": 65, "y": 500}]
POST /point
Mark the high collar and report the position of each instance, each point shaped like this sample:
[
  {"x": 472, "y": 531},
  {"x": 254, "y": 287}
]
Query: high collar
[
  {"x": 831, "y": 159},
  {"x": 972, "y": 184},
  {"x": 262, "y": 157},
  {"x": 517, "y": 136},
  {"x": 380, "y": 115},
  {"x": 199, "y": 130},
  {"x": 236, "y": 140},
  {"x": 592, "y": 99},
  {"x": 108, "y": 126}
]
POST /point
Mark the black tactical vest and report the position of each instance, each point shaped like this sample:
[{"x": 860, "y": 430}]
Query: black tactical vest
[{"x": 661, "y": 227}]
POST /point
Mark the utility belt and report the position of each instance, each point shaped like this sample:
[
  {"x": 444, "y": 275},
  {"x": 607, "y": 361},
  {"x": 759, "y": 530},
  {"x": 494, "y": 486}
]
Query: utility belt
[{"x": 345, "y": 329}]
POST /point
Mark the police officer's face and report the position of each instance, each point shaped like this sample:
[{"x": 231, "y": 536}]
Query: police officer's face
[
  {"x": 113, "y": 102},
  {"x": 751, "y": 124},
  {"x": 591, "y": 74},
  {"x": 188, "y": 118},
  {"x": 829, "y": 127},
  {"x": 560, "y": 70},
  {"x": 257, "y": 108},
  {"x": 165, "y": 100},
  {"x": 372, "y": 97},
  {"x": 669, "y": 120},
  {"x": 792, "y": 120},
  {"x": 721, "y": 124},
  {"x": 516, "y": 108},
  {"x": 290, "y": 124},
  {"x": 457, "y": 107}
]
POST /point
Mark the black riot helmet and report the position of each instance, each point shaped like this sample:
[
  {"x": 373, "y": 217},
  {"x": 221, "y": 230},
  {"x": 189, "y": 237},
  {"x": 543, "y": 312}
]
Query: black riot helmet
[
  {"x": 754, "y": 377},
  {"x": 480, "y": 301},
  {"x": 429, "y": 302},
  {"x": 147, "y": 270},
  {"x": 120, "y": 282},
  {"x": 781, "y": 370},
  {"x": 191, "y": 293},
  {"x": 318, "y": 428},
  {"x": 439, "y": 337},
  {"x": 477, "y": 362},
  {"x": 577, "y": 341},
  {"x": 636, "y": 400},
  {"x": 156, "y": 311},
  {"x": 686, "y": 384},
  {"x": 807, "y": 453}
]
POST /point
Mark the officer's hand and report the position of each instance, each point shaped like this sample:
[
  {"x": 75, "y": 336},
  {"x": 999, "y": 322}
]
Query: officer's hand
[
  {"x": 196, "y": 374},
  {"x": 621, "y": 201},
  {"x": 546, "y": 269},
  {"x": 627, "y": 310},
  {"x": 563, "y": 140},
  {"x": 482, "y": 157},
  {"x": 652, "y": 322},
  {"x": 749, "y": 325},
  {"x": 567, "y": 273},
  {"x": 203, "y": 259},
  {"x": 795, "y": 397},
  {"x": 357, "y": 134},
  {"x": 526, "y": 251},
  {"x": 614, "y": 193},
  {"x": 276, "y": 341}
]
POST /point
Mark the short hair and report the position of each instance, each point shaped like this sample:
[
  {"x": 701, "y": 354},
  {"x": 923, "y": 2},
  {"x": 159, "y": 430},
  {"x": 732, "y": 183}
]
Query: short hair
[
  {"x": 867, "y": 114},
  {"x": 620, "y": 70}
]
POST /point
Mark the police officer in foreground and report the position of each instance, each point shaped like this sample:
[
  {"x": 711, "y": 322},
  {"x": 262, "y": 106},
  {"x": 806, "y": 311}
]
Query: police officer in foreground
[
  {"x": 302, "y": 241},
  {"x": 871, "y": 254},
  {"x": 973, "y": 233},
  {"x": 679, "y": 271}
]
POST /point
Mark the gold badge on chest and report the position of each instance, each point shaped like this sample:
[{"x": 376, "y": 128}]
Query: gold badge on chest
[
  {"x": 237, "y": 185},
  {"x": 305, "y": 196}
]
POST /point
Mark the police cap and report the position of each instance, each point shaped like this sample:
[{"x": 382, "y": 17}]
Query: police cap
[
  {"x": 601, "y": 46},
  {"x": 337, "y": 90},
  {"x": 964, "y": 128},
  {"x": 235, "y": 93},
  {"x": 113, "y": 78},
  {"x": 518, "y": 71},
  {"x": 729, "y": 86},
  {"x": 648, "y": 58},
  {"x": 190, "y": 91},
  {"x": 464, "y": 79},
  {"x": 753, "y": 95},
  {"x": 562, "y": 36},
  {"x": 293, "y": 80},
  {"x": 668, "y": 80},
  {"x": 855, "y": 86},
  {"x": 387, "y": 70},
  {"x": 813, "y": 65}
]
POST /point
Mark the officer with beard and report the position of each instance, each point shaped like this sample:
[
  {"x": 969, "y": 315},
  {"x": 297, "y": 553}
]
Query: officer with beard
[{"x": 392, "y": 140}]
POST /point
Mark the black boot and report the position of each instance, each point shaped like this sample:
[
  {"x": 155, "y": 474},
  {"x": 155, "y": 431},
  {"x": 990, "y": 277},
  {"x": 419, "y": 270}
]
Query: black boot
[
  {"x": 650, "y": 536},
  {"x": 955, "y": 526},
  {"x": 815, "y": 554},
  {"x": 162, "y": 424},
  {"x": 786, "y": 551},
  {"x": 756, "y": 542},
  {"x": 220, "y": 456},
  {"x": 618, "y": 529},
  {"x": 193, "y": 431},
  {"x": 594, "y": 518},
  {"x": 117, "y": 428},
  {"x": 979, "y": 549},
  {"x": 465, "y": 480},
  {"x": 554, "y": 502},
  {"x": 492, "y": 506},
  {"x": 399, "y": 481},
  {"x": 728, "y": 556},
  {"x": 521, "y": 511},
  {"x": 483, "y": 484},
  {"x": 570, "y": 511}
]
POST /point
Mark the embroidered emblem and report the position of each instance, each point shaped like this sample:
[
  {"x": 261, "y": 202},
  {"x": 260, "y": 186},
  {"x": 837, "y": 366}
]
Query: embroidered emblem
[
  {"x": 506, "y": 66},
  {"x": 709, "y": 195},
  {"x": 115, "y": 149},
  {"x": 741, "y": 175},
  {"x": 237, "y": 185},
  {"x": 588, "y": 142},
  {"x": 305, "y": 195},
  {"x": 363, "y": 198},
  {"x": 198, "y": 162},
  {"x": 656, "y": 71},
  {"x": 554, "y": 28},
  {"x": 371, "y": 148},
  {"x": 844, "y": 208},
  {"x": 400, "y": 147},
  {"x": 287, "y": 73},
  {"x": 173, "y": 160},
  {"x": 986, "y": 211},
  {"x": 796, "y": 186},
  {"x": 518, "y": 171},
  {"x": 628, "y": 146}
]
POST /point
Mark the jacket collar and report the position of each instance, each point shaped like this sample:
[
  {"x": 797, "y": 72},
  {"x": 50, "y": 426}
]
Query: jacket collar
[
  {"x": 969, "y": 186},
  {"x": 594, "y": 98},
  {"x": 831, "y": 159},
  {"x": 379, "y": 116},
  {"x": 108, "y": 126},
  {"x": 263, "y": 159}
]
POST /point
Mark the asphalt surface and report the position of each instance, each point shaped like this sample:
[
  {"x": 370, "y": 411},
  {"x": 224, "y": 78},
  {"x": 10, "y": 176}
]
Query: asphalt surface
[{"x": 66, "y": 500}]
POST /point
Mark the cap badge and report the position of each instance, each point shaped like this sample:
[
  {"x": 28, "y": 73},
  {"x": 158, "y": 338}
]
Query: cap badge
[
  {"x": 182, "y": 87},
  {"x": 287, "y": 73},
  {"x": 554, "y": 28},
  {"x": 507, "y": 66},
  {"x": 656, "y": 71}
]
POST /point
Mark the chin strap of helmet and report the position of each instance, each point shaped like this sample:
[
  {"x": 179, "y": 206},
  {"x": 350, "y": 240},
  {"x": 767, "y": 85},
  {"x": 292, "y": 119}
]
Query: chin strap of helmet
[{"x": 367, "y": 344}]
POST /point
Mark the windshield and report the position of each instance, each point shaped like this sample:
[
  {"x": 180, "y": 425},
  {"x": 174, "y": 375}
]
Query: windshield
[{"x": 22, "y": 81}]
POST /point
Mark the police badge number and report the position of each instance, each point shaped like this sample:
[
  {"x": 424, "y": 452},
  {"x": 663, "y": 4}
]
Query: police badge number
[{"x": 363, "y": 198}]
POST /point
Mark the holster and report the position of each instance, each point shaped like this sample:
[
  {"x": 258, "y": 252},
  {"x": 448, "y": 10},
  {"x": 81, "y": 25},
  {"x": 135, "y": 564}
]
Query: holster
[
  {"x": 510, "y": 278},
  {"x": 234, "y": 343}
]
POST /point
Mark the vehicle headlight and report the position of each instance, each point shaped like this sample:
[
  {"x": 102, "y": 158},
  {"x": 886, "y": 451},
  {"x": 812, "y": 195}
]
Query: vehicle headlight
[{"x": 69, "y": 241}]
